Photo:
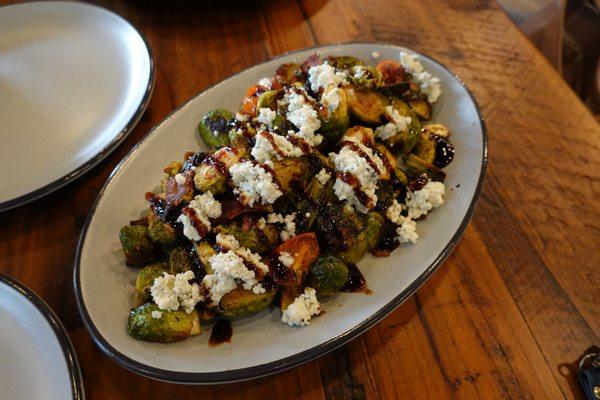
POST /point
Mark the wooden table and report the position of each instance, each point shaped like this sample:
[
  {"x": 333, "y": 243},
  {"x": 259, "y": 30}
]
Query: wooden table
[{"x": 510, "y": 311}]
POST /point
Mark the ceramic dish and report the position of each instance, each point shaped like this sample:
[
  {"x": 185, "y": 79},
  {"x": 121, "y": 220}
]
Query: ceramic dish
[
  {"x": 74, "y": 81},
  {"x": 38, "y": 359},
  {"x": 261, "y": 344}
]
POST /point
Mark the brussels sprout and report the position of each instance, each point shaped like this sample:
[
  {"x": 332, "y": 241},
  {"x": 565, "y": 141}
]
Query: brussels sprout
[
  {"x": 252, "y": 238},
  {"x": 145, "y": 280},
  {"x": 138, "y": 247},
  {"x": 211, "y": 174},
  {"x": 386, "y": 193},
  {"x": 366, "y": 77},
  {"x": 437, "y": 129},
  {"x": 179, "y": 261},
  {"x": 163, "y": 234},
  {"x": 305, "y": 249},
  {"x": 214, "y": 128},
  {"x": 240, "y": 302},
  {"x": 367, "y": 239},
  {"x": 406, "y": 140},
  {"x": 392, "y": 72},
  {"x": 422, "y": 108},
  {"x": 417, "y": 166},
  {"x": 205, "y": 251},
  {"x": 425, "y": 148},
  {"x": 366, "y": 105},
  {"x": 338, "y": 226},
  {"x": 401, "y": 176},
  {"x": 288, "y": 73},
  {"x": 291, "y": 172},
  {"x": 344, "y": 62},
  {"x": 170, "y": 327},
  {"x": 336, "y": 122},
  {"x": 328, "y": 274},
  {"x": 267, "y": 99}
]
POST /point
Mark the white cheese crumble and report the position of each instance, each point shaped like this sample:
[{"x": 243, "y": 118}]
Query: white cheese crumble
[
  {"x": 331, "y": 98},
  {"x": 323, "y": 176},
  {"x": 170, "y": 292},
  {"x": 180, "y": 179},
  {"x": 397, "y": 124},
  {"x": 205, "y": 207},
  {"x": 304, "y": 117},
  {"x": 358, "y": 71},
  {"x": 323, "y": 75},
  {"x": 156, "y": 314},
  {"x": 302, "y": 309},
  {"x": 241, "y": 117},
  {"x": 263, "y": 149},
  {"x": 289, "y": 229},
  {"x": 266, "y": 116},
  {"x": 261, "y": 223},
  {"x": 422, "y": 201},
  {"x": 228, "y": 242},
  {"x": 429, "y": 84},
  {"x": 253, "y": 183},
  {"x": 375, "y": 54},
  {"x": 266, "y": 82},
  {"x": 393, "y": 212},
  {"x": 407, "y": 229},
  {"x": 286, "y": 258}
]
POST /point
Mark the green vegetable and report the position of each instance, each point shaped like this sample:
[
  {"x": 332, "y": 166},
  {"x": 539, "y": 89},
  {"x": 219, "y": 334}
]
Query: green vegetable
[
  {"x": 291, "y": 172},
  {"x": 267, "y": 100},
  {"x": 367, "y": 239},
  {"x": 214, "y": 128},
  {"x": 205, "y": 251},
  {"x": 179, "y": 261},
  {"x": 422, "y": 108},
  {"x": 210, "y": 179},
  {"x": 145, "y": 280},
  {"x": 406, "y": 140},
  {"x": 138, "y": 247},
  {"x": 172, "y": 326},
  {"x": 366, "y": 105},
  {"x": 163, "y": 234},
  {"x": 328, "y": 274},
  {"x": 240, "y": 302},
  {"x": 336, "y": 123},
  {"x": 338, "y": 225},
  {"x": 417, "y": 166},
  {"x": 368, "y": 78},
  {"x": 254, "y": 239},
  {"x": 344, "y": 62}
]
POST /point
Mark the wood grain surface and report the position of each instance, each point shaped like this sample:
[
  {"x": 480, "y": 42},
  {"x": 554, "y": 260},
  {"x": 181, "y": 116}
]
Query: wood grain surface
[{"x": 511, "y": 310}]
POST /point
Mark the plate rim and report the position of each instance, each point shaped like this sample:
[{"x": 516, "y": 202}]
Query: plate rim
[
  {"x": 256, "y": 371},
  {"x": 62, "y": 336},
  {"x": 114, "y": 143}
]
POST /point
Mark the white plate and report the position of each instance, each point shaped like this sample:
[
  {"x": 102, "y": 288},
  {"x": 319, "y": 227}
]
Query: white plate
[
  {"x": 74, "y": 80},
  {"x": 37, "y": 360},
  {"x": 262, "y": 344}
]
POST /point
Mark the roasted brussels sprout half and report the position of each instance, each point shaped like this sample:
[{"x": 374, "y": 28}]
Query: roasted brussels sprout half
[
  {"x": 291, "y": 172},
  {"x": 366, "y": 77},
  {"x": 416, "y": 166},
  {"x": 267, "y": 100},
  {"x": 366, "y": 105},
  {"x": 251, "y": 238},
  {"x": 338, "y": 225},
  {"x": 172, "y": 326},
  {"x": 139, "y": 249},
  {"x": 335, "y": 123},
  {"x": 367, "y": 239},
  {"x": 288, "y": 73},
  {"x": 145, "y": 280},
  {"x": 179, "y": 261},
  {"x": 422, "y": 108},
  {"x": 408, "y": 139},
  {"x": 214, "y": 128},
  {"x": 211, "y": 174},
  {"x": 163, "y": 234},
  {"x": 205, "y": 251},
  {"x": 241, "y": 302},
  {"x": 344, "y": 62},
  {"x": 328, "y": 274}
]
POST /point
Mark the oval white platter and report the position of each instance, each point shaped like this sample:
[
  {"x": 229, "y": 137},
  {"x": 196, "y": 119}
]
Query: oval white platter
[
  {"x": 37, "y": 358},
  {"x": 261, "y": 344},
  {"x": 74, "y": 81}
]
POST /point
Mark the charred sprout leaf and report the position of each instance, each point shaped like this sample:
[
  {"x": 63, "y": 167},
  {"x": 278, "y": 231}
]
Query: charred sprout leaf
[
  {"x": 386, "y": 193},
  {"x": 401, "y": 176},
  {"x": 344, "y": 62},
  {"x": 288, "y": 73},
  {"x": 366, "y": 77},
  {"x": 241, "y": 302},
  {"x": 214, "y": 128},
  {"x": 138, "y": 247},
  {"x": 366, "y": 105},
  {"x": 367, "y": 239},
  {"x": 417, "y": 166},
  {"x": 437, "y": 129},
  {"x": 179, "y": 261},
  {"x": 328, "y": 274},
  {"x": 252, "y": 238},
  {"x": 422, "y": 108},
  {"x": 337, "y": 121},
  {"x": 267, "y": 100},
  {"x": 145, "y": 280},
  {"x": 338, "y": 226},
  {"x": 170, "y": 327},
  {"x": 305, "y": 249},
  {"x": 163, "y": 234},
  {"x": 205, "y": 251},
  {"x": 291, "y": 172}
]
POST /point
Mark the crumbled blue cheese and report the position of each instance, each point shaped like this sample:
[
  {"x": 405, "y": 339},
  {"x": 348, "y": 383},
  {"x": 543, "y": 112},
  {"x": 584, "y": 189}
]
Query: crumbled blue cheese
[
  {"x": 205, "y": 207},
  {"x": 429, "y": 84},
  {"x": 331, "y": 98},
  {"x": 266, "y": 116},
  {"x": 289, "y": 226},
  {"x": 422, "y": 201},
  {"x": 253, "y": 183},
  {"x": 286, "y": 258},
  {"x": 324, "y": 75},
  {"x": 156, "y": 314},
  {"x": 228, "y": 242},
  {"x": 263, "y": 147},
  {"x": 397, "y": 124},
  {"x": 170, "y": 292},
  {"x": 241, "y": 117},
  {"x": 304, "y": 117},
  {"x": 358, "y": 71},
  {"x": 407, "y": 228},
  {"x": 302, "y": 309},
  {"x": 394, "y": 211},
  {"x": 323, "y": 176},
  {"x": 266, "y": 82},
  {"x": 180, "y": 179}
]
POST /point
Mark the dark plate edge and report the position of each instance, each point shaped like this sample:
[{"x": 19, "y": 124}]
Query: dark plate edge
[
  {"x": 59, "y": 331},
  {"x": 110, "y": 147},
  {"x": 307, "y": 355}
]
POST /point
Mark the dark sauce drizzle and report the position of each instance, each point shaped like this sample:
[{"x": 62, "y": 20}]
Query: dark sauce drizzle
[
  {"x": 444, "y": 151},
  {"x": 221, "y": 333},
  {"x": 353, "y": 181},
  {"x": 356, "y": 281}
]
